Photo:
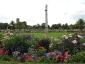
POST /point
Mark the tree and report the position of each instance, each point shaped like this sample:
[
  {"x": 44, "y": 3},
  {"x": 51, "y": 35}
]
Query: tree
[
  {"x": 24, "y": 25},
  {"x": 65, "y": 26},
  {"x": 80, "y": 24},
  {"x": 18, "y": 24},
  {"x": 39, "y": 26},
  {"x": 35, "y": 27},
  {"x": 43, "y": 25},
  {"x": 56, "y": 26},
  {"x": 73, "y": 26},
  {"x": 12, "y": 25},
  {"x": 3, "y": 25}
]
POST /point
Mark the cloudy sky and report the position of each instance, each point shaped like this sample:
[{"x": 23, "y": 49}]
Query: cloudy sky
[{"x": 32, "y": 11}]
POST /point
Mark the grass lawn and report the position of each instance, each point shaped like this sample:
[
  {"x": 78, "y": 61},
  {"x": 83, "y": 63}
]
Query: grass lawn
[
  {"x": 13, "y": 62},
  {"x": 50, "y": 34}
]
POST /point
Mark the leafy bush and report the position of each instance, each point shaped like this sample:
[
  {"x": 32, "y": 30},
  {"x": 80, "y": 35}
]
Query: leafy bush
[
  {"x": 54, "y": 44},
  {"x": 41, "y": 51},
  {"x": 1, "y": 35},
  {"x": 48, "y": 60},
  {"x": 17, "y": 43},
  {"x": 78, "y": 57},
  {"x": 32, "y": 41},
  {"x": 43, "y": 43},
  {"x": 5, "y": 58},
  {"x": 82, "y": 40}
]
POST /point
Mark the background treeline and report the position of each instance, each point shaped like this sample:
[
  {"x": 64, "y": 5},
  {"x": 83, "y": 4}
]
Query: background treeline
[{"x": 80, "y": 24}]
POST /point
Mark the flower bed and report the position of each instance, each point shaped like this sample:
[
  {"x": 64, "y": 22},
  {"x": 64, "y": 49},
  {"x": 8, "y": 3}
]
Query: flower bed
[{"x": 31, "y": 49}]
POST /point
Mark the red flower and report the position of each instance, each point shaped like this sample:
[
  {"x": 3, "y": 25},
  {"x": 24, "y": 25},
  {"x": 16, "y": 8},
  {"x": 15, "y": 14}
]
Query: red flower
[
  {"x": 28, "y": 58},
  {"x": 3, "y": 52},
  {"x": 63, "y": 58}
]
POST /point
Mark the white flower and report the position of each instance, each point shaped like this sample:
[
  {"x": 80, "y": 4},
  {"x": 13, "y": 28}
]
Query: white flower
[
  {"x": 11, "y": 33},
  {"x": 51, "y": 37},
  {"x": 55, "y": 39},
  {"x": 6, "y": 37},
  {"x": 70, "y": 35},
  {"x": 83, "y": 44},
  {"x": 74, "y": 41},
  {"x": 51, "y": 45},
  {"x": 79, "y": 36},
  {"x": 65, "y": 36}
]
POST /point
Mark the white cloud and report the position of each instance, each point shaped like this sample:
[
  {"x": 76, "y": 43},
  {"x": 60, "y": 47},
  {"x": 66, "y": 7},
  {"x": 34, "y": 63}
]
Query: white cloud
[{"x": 32, "y": 11}]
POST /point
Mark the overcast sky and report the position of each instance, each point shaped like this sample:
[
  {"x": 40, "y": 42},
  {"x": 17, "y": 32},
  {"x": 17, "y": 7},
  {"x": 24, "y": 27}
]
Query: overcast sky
[{"x": 32, "y": 11}]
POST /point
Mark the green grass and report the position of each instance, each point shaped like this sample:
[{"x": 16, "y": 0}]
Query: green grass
[
  {"x": 14, "y": 62},
  {"x": 8, "y": 62},
  {"x": 1, "y": 35},
  {"x": 50, "y": 34}
]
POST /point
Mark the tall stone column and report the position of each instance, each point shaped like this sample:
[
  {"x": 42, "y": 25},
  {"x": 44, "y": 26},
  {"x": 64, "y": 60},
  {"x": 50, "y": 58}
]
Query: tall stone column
[{"x": 46, "y": 19}]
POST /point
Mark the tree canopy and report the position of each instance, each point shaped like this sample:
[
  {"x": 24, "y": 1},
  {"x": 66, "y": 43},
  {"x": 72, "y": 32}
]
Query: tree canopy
[{"x": 80, "y": 24}]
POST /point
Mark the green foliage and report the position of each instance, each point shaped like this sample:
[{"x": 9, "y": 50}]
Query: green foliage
[
  {"x": 56, "y": 26},
  {"x": 65, "y": 26},
  {"x": 80, "y": 24},
  {"x": 15, "y": 41},
  {"x": 78, "y": 57},
  {"x": 47, "y": 60},
  {"x": 7, "y": 62},
  {"x": 1, "y": 35},
  {"x": 3, "y": 25},
  {"x": 23, "y": 25},
  {"x": 22, "y": 40},
  {"x": 82, "y": 40},
  {"x": 5, "y": 58},
  {"x": 41, "y": 51}
]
